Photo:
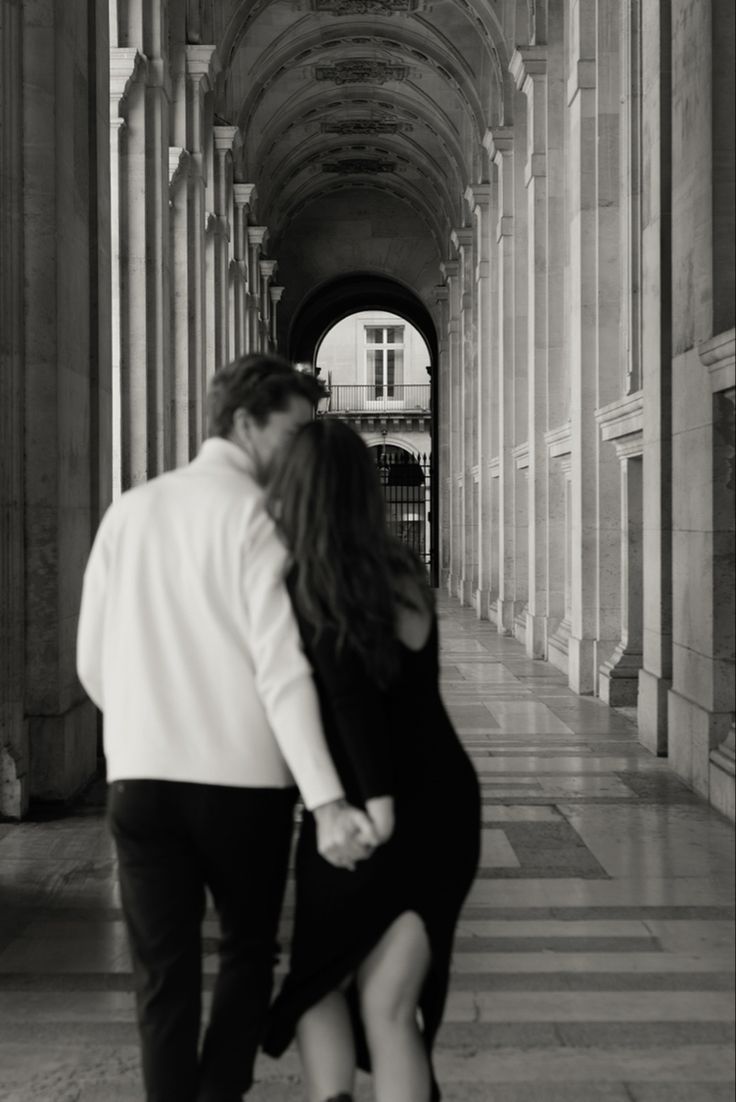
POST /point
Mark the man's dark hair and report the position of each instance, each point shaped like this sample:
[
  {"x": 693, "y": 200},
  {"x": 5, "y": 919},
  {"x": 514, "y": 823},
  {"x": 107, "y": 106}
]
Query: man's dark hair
[{"x": 261, "y": 385}]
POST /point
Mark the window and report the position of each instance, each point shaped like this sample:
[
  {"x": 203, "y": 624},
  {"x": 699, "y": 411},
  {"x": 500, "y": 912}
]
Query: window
[{"x": 384, "y": 359}]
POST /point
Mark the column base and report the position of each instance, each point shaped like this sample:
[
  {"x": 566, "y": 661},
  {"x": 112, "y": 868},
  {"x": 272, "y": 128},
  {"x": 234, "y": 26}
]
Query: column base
[
  {"x": 464, "y": 591},
  {"x": 558, "y": 647},
  {"x": 520, "y": 626},
  {"x": 505, "y": 616},
  {"x": 694, "y": 734},
  {"x": 618, "y": 679},
  {"x": 652, "y": 712},
  {"x": 581, "y": 672},
  {"x": 722, "y": 780},
  {"x": 481, "y": 600},
  {"x": 63, "y": 752},
  {"x": 536, "y": 635},
  {"x": 14, "y": 779}
]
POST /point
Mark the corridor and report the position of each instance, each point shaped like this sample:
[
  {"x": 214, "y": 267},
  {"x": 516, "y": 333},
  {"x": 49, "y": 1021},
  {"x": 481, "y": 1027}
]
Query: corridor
[{"x": 594, "y": 962}]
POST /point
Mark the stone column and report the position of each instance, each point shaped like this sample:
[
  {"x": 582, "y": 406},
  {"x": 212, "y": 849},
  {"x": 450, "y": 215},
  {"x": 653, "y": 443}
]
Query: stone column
[
  {"x": 583, "y": 343},
  {"x": 224, "y": 137},
  {"x": 451, "y": 272},
  {"x": 529, "y": 69},
  {"x": 66, "y": 370},
  {"x": 267, "y": 269},
  {"x": 187, "y": 220},
  {"x": 500, "y": 145},
  {"x": 145, "y": 328},
  {"x": 14, "y": 748},
  {"x": 479, "y": 199},
  {"x": 443, "y": 495},
  {"x": 257, "y": 236},
  {"x": 242, "y": 198},
  {"x": 462, "y": 240},
  {"x": 701, "y": 700},
  {"x": 655, "y": 677},
  {"x": 621, "y": 423},
  {"x": 275, "y": 295},
  {"x": 557, "y": 435}
]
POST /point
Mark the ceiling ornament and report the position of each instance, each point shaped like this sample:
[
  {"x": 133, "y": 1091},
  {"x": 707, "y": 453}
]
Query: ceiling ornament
[
  {"x": 365, "y": 7},
  {"x": 359, "y": 164},
  {"x": 361, "y": 70},
  {"x": 364, "y": 126}
]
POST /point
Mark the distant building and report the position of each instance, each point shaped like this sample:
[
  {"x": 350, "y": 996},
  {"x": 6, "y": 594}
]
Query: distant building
[{"x": 375, "y": 365}]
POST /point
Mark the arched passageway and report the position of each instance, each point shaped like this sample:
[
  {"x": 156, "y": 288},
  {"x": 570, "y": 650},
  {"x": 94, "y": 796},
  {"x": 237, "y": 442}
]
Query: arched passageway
[{"x": 544, "y": 188}]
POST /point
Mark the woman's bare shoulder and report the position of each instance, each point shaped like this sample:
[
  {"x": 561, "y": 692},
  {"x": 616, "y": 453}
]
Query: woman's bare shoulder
[{"x": 415, "y": 612}]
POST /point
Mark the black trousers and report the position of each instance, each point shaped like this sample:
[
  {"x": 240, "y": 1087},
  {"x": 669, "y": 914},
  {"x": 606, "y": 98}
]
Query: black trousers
[{"x": 172, "y": 841}]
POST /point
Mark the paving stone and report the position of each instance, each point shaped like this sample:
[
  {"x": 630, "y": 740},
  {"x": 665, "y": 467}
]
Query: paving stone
[{"x": 594, "y": 961}]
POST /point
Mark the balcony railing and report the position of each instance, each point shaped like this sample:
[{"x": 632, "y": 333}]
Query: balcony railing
[{"x": 402, "y": 397}]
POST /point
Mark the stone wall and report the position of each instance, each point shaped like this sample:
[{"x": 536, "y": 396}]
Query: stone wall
[{"x": 56, "y": 351}]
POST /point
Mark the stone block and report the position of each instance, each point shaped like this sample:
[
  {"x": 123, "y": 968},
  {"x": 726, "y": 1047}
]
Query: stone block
[{"x": 63, "y": 752}]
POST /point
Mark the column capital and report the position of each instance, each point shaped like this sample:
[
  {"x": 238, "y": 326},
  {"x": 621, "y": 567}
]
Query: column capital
[
  {"x": 244, "y": 194},
  {"x": 125, "y": 64},
  {"x": 267, "y": 268},
  {"x": 462, "y": 237},
  {"x": 499, "y": 142},
  {"x": 276, "y": 294},
  {"x": 203, "y": 64},
  {"x": 441, "y": 292},
  {"x": 257, "y": 235},
  {"x": 478, "y": 195},
  {"x": 450, "y": 268},
  {"x": 224, "y": 138},
  {"x": 178, "y": 164},
  {"x": 528, "y": 62}
]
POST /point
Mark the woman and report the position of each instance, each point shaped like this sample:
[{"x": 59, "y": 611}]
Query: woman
[{"x": 372, "y": 945}]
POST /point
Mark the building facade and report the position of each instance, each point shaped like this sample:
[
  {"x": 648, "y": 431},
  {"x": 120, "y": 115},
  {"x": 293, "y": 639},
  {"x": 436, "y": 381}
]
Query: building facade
[{"x": 544, "y": 188}]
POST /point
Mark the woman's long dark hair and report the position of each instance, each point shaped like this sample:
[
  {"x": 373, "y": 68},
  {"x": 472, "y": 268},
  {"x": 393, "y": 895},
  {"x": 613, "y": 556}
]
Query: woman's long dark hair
[{"x": 327, "y": 503}]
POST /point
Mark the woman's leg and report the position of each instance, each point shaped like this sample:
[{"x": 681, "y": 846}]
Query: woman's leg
[
  {"x": 390, "y": 982},
  {"x": 327, "y": 1049}
]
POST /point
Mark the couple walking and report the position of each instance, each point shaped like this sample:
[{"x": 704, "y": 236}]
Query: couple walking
[{"x": 248, "y": 625}]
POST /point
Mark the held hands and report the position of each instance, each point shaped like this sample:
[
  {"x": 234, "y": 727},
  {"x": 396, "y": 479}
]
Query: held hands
[{"x": 345, "y": 834}]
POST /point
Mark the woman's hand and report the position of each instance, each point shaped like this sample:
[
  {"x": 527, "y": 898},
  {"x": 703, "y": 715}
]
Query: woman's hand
[{"x": 381, "y": 813}]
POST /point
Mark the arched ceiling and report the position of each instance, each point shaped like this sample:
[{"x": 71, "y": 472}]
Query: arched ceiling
[
  {"x": 378, "y": 103},
  {"x": 337, "y": 299}
]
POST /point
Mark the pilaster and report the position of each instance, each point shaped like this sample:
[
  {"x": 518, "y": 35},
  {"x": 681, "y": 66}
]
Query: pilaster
[
  {"x": 14, "y": 748},
  {"x": 583, "y": 343},
  {"x": 463, "y": 242},
  {"x": 443, "y": 443},
  {"x": 66, "y": 369},
  {"x": 500, "y": 146},
  {"x": 451, "y": 272},
  {"x": 655, "y": 678},
  {"x": 529, "y": 69},
  {"x": 275, "y": 295},
  {"x": 479, "y": 201},
  {"x": 243, "y": 196},
  {"x": 145, "y": 431},
  {"x": 224, "y": 139}
]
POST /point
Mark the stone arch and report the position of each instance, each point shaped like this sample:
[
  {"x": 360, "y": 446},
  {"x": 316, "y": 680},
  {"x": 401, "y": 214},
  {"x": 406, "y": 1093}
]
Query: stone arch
[{"x": 345, "y": 295}]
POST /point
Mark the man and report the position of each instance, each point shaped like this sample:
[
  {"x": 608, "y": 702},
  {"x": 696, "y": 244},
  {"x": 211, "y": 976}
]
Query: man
[{"x": 188, "y": 644}]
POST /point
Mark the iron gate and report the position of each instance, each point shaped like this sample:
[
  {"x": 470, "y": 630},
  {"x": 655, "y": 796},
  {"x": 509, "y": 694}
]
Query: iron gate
[{"x": 406, "y": 481}]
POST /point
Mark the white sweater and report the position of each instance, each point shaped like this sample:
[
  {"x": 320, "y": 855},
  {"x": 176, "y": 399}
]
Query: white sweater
[{"x": 187, "y": 640}]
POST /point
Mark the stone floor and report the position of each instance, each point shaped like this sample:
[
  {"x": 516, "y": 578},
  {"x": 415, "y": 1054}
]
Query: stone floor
[{"x": 594, "y": 963}]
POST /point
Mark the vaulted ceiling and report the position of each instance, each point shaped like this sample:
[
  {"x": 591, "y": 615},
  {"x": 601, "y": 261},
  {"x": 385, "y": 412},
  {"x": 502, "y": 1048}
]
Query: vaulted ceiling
[{"x": 369, "y": 114}]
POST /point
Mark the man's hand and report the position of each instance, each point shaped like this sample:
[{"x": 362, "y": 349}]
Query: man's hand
[
  {"x": 345, "y": 834},
  {"x": 381, "y": 812}
]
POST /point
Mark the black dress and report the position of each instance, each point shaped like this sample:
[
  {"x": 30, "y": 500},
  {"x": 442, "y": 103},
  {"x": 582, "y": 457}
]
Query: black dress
[{"x": 397, "y": 742}]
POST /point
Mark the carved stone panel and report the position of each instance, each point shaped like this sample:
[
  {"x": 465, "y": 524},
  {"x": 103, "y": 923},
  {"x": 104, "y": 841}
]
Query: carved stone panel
[
  {"x": 359, "y": 164},
  {"x": 365, "y": 126},
  {"x": 364, "y": 7},
  {"x": 361, "y": 70}
]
